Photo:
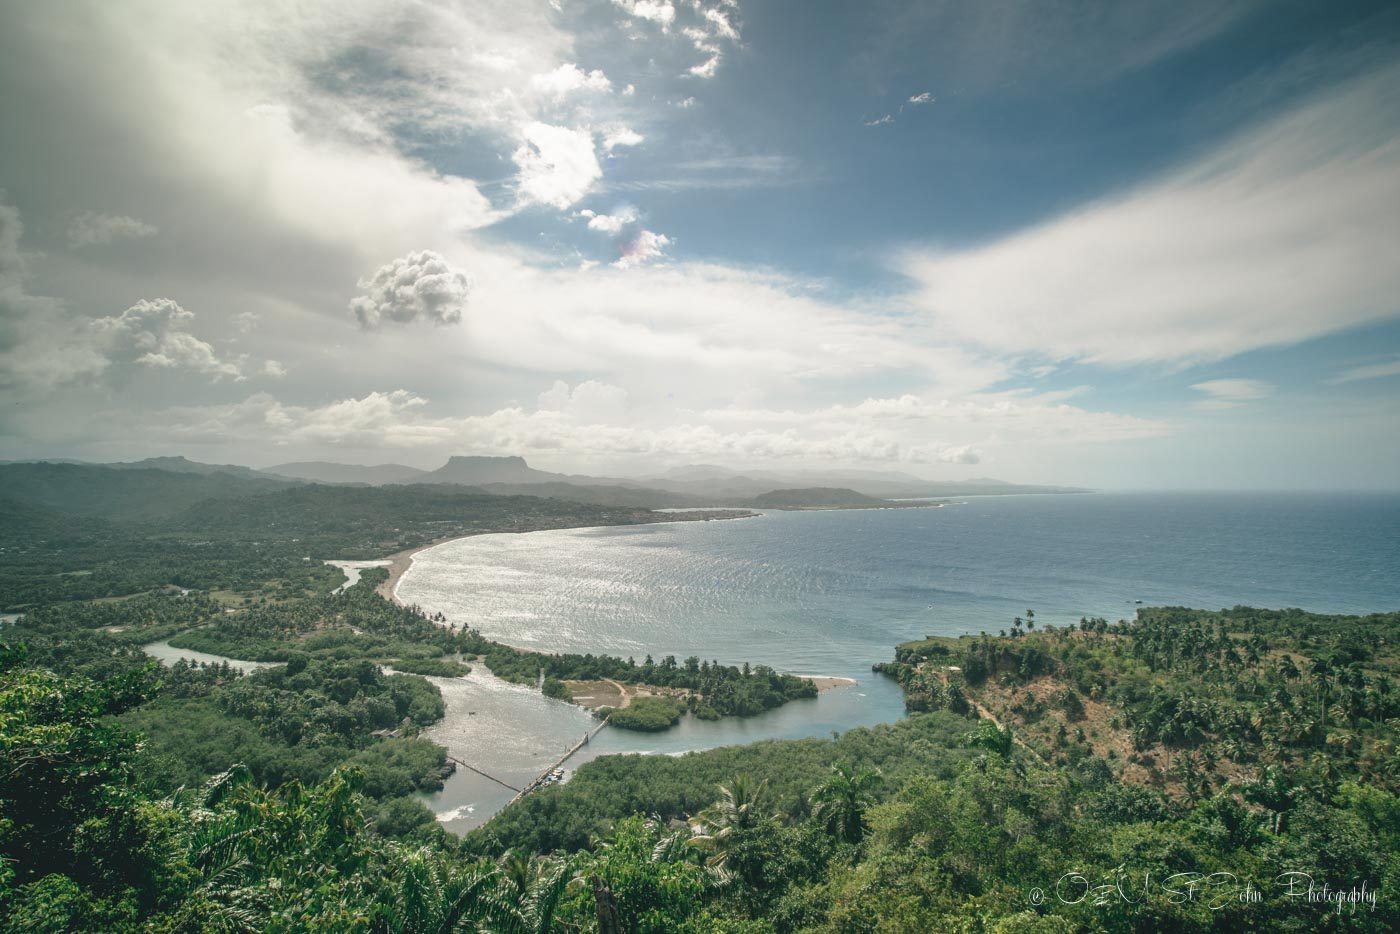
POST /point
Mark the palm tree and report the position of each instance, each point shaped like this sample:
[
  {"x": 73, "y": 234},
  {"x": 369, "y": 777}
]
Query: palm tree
[
  {"x": 1321, "y": 671},
  {"x": 535, "y": 906},
  {"x": 841, "y": 801},
  {"x": 517, "y": 869},
  {"x": 430, "y": 894},
  {"x": 739, "y": 808}
]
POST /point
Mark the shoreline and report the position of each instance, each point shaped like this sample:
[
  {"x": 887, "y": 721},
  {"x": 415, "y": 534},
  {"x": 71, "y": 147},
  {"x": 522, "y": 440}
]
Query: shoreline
[
  {"x": 826, "y": 683},
  {"x": 400, "y": 561}
]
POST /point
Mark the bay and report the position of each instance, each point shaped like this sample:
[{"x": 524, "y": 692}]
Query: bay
[{"x": 832, "y": 592}]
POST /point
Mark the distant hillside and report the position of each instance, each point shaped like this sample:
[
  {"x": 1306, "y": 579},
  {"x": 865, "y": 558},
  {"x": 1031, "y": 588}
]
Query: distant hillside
[
  {"x": 355, "y": 519},
  {"x": 813, "y": 497},
  {"x": 185, "y": 465},
  {"x": 124, "y": 492},
  {"x": 599, "y": 495},
  {"x": 326, "y": 472},
  {"x": 720, "y": 484},
  {"x": 23, "y": 524}
]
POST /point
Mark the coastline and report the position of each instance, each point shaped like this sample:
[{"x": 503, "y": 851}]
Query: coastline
[{"x": 400, "y": 562}]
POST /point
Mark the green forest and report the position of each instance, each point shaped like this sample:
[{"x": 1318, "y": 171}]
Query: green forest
[{"x": 1183, "y": 770}]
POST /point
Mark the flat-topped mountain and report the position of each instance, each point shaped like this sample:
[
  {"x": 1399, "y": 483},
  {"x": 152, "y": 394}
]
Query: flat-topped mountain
[{"x": 474, "y": 471}]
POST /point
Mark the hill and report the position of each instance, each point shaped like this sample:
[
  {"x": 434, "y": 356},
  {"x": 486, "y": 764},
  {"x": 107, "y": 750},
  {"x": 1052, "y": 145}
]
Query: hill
[
  {"x": 598, "y": 494},
  {"x": 178, "y": 464},
  {"x": 124, "y": 492},
  {"x": 326, "y": 472},
  {"x": 721, "y": 484},
  {"x": 814, "y": 498}
]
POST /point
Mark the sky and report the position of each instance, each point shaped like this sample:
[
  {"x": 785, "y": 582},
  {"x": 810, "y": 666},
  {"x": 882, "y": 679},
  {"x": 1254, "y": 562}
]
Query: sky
[{"x": 1126, "y": 246}]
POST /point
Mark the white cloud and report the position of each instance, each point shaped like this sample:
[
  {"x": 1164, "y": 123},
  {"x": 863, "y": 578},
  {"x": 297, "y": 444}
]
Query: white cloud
[
  {"x": 1369, "y": 371},
  {"x": 274, "y": 368},
  {"x": 590, "y": 402},
  {"x": 41, "y": 344},
  {"x": 153, "y": 333},
  {"x": 621, "y": 136},
  {"x": 963, "y": 454},
  {"x": 925, "y": 98},
  {"x": 568, "y": 78},
  {"x": 557, "y": 165},
  {"x": 645, "y": 247},
  {"x": 419, "y": 285},
  {"x": 596, "y": 419},
  {"x": 880, "y": 121},
  {"x": 91, "y": 228},
  {"x": 707, "y": 68},
  {"x": 1017, "y": 417},
  {"x": 714, "y": 27},
  {"x": 1232, "y": 393},
  {"x": 1287, "y": 233},
  {"x": 610, "y": 223},
  {"x": 661, "y": 12}
]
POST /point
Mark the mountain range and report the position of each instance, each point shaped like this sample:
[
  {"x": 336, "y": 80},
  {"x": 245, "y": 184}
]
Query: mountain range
[
  {"x": 714, "y": 485},
  {"x": 165, "y": 486}
]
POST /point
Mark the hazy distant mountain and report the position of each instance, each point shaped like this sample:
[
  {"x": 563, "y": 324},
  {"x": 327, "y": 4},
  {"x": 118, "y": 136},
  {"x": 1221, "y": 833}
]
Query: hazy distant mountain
[
  {"x": 813, "y": 497},
  {"x": 185, "y": 465},
  {"x": 479, "y": 471},
  {"x": 598, "y": 494},
  {"x": 124, "y": 491},
  {"x": 718, "y": 484},
  {"x": 325, "y": 472}
]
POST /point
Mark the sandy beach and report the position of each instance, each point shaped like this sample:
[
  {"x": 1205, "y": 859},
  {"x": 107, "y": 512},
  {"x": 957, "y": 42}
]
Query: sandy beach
[
  {"x": 826, "y": 682},
  {"x": 399, "y": 563}
]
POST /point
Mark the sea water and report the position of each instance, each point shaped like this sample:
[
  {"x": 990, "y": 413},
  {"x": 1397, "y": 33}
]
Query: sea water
[{"x": 832, "y": 592}]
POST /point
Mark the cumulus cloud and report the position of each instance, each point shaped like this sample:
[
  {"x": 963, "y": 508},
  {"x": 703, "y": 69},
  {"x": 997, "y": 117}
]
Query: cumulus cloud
[
  {"x": 591, "y": 401},
  {"x": 38, "y": 349},
  {"x": 558, "y": 165},
  {"x": 610, "y": 223},
  {"x": 91, "y": 228},
  {"x": 566, "y": 422},
  {"x": 1231, "y": 393},
  {"x": 1284, "y": 234},
  {"x": 962, "y": 454},
  {"x": 647, "y": 246},
  {"x": 419, "y": 285},
  {"x": 153, "y": 333},
  {"x": 568, "y": 78},
  {"x": 44, "y": 345},
  {"x": 925, "y": 98}
]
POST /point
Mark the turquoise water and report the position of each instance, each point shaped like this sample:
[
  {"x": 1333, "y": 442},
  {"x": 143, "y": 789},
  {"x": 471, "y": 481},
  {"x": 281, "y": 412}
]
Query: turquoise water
[{"x": 832, "y": 592}]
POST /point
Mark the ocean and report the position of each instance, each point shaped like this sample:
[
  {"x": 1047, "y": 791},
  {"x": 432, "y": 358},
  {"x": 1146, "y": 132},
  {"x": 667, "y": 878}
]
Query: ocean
[{"x": 832, "y": 592}]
